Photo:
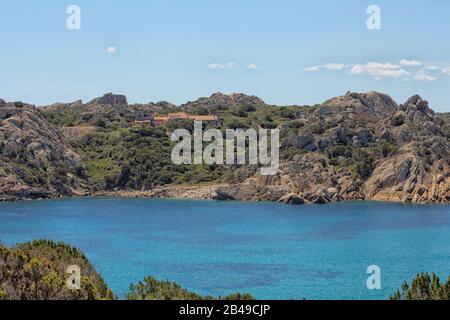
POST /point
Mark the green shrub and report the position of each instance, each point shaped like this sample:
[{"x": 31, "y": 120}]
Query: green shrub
[
  {"x": 37, "y": 271},
  {"x": 424, "y": 287},
  {"x": 152, "y": 289}
]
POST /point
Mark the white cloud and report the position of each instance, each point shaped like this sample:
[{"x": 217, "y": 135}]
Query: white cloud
[
  {"x": 251, "y": 66},
  {"x": 312, "y": 69},
  {"x": 379, "y": 70},
  {"x": 421, "y": 75},
  {"x": 111, "y": 50},
  {"x": 327, "y": 66},
  {"x": 446, "y": 71},
  {"x": 333, "y": 66},
  {"x": 231, "y": 65},
  {"x": 215, "y": 66},
  {"x": 383, "y": 70},
  {"x": 410, "y": 63},
  {"x": 221, "y": 66}
]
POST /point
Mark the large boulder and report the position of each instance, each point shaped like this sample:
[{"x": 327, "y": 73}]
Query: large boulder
[{"x": 292, "y": 199}]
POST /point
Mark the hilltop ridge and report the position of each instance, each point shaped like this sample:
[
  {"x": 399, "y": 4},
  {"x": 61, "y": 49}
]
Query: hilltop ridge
[{"x": 218, "y": 98}]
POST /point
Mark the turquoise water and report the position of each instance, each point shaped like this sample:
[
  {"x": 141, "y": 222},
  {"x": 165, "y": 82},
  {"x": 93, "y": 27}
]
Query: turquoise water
[{"x": 270, "y": 250}]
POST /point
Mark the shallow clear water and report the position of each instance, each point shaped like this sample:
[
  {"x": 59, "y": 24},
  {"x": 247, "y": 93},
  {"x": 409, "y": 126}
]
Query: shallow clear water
[{"x": 270, "y": 250}]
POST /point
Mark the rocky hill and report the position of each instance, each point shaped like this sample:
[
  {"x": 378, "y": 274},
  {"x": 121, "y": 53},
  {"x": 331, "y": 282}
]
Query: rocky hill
[
  {"x": 35, "y": 159},
  {"x": 353, "y": 147},
  {"x": 362, "y": 146}
]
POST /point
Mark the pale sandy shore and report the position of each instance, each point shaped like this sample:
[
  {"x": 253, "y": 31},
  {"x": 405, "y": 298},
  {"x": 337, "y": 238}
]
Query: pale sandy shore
[{"x": 171, "y": 192}]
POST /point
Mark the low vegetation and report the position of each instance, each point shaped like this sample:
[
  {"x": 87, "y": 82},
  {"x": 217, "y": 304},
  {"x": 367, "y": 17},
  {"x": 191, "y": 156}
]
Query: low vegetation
[
  {"x": 424, "y": 287},
  {"x": 37, "y": 271},
  {"x": 119, "y": 154},
  {"x": 152, "y": 289}
]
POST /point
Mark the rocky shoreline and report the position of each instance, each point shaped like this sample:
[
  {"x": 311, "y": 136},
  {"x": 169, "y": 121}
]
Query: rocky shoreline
[{"x": 224, "y": 192}]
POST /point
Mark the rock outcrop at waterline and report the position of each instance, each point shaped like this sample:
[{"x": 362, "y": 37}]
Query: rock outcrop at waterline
[{"x": 353, "y": 147}]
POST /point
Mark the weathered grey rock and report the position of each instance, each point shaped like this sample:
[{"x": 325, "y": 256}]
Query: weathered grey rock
[
  {"x": 222, "y": 196},
  {"x": 332, "y": 191},
  {"x": 306, "y": 142},
  {"x": 323, "y": 144},
  {"x": 364, "y": 136},
  {"x": 47, "y": 166},
  {"x": 320, "y": 199},
  {"x": 292, "y": 199}
]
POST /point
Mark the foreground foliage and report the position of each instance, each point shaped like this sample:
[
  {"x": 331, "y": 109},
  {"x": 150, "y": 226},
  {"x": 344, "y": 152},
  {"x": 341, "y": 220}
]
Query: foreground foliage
[
  {"x": 152, "y": 289},
  {"x": 37, "y": 271},
  {"x": 424, "y": 287}
]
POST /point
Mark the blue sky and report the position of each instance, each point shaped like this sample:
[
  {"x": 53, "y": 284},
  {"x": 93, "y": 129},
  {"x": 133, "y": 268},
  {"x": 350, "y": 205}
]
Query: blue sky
[{"x": 286, "y": 52}]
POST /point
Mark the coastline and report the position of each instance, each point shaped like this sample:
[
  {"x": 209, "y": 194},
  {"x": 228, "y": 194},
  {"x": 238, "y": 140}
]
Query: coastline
[
  {"x": 215, "y": 192},
  {"x": 326, "y": 155}
]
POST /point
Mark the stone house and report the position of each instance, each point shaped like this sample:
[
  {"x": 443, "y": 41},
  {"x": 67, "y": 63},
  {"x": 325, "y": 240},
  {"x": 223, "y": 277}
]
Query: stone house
[{"x": 144, "y": 117}]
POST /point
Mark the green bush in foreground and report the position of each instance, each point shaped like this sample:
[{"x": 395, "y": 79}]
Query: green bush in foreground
[
  {"x": 37, "y": 271},
  {"x": 152, "y": 289},
  {"x": 424, "y": 287}
]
